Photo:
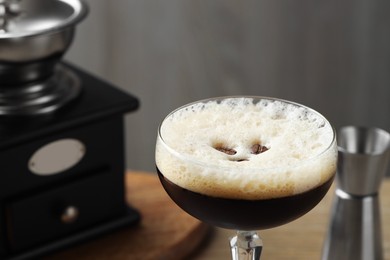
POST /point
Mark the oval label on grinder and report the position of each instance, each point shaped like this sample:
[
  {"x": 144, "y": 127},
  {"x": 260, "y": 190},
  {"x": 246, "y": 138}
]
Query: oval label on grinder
[{"x": 56, "y": 157}]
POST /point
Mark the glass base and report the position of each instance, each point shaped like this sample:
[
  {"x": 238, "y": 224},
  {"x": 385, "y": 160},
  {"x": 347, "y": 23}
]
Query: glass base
[{"x": 246, "y": 245}]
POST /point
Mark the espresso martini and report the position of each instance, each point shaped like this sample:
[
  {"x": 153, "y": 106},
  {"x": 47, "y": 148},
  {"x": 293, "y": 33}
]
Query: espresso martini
[{"x": 246, "y": 163}]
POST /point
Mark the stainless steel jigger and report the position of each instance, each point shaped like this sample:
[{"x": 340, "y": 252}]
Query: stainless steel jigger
[{"x": 355, "y": 228}]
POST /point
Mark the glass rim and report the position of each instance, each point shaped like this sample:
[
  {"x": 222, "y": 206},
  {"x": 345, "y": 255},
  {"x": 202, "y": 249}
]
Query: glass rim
[{"x": 253, "y": 97}]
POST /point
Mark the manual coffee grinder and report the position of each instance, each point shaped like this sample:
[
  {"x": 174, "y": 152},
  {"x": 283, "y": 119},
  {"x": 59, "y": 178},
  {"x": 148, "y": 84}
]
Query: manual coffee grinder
[{"x": 61, "y": 135}]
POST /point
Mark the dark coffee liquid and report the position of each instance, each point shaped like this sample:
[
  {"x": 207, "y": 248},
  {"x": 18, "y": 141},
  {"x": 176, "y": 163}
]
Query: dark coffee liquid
[{"x": 244, "y": 214}]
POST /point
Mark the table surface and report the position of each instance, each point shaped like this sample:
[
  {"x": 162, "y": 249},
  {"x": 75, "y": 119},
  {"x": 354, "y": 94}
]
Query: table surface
[{"x": 166, "y": 232}]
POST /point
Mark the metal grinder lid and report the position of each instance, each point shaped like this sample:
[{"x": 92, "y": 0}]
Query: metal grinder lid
[{"x": 23, "y": 18}]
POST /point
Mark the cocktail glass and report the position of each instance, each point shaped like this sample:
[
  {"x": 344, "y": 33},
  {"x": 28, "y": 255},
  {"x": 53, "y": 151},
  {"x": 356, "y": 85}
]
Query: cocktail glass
[{"x": 246, "y": 163}]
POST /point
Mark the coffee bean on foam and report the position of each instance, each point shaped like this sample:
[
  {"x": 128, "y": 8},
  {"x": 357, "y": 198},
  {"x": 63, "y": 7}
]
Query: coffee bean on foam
[{"x": 207, "y": 147}]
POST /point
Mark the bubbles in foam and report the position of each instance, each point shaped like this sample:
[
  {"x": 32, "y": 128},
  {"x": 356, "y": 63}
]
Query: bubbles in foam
[{"x": 207, "y": 147}]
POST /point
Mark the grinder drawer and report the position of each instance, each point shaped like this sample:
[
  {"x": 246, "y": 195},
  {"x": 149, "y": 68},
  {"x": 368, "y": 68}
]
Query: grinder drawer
[{"x": 64, "y": 210}]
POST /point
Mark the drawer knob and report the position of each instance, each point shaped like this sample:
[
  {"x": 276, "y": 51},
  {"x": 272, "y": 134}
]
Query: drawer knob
[{"x": 69, "y": 214}]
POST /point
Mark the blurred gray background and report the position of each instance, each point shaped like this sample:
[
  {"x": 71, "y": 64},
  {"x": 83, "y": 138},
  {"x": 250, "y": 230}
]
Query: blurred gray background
[{"x": 333, "y": 56}]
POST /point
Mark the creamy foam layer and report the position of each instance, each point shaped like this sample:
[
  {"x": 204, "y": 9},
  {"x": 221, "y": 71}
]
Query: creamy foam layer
[{"x": 243, "y": 149}]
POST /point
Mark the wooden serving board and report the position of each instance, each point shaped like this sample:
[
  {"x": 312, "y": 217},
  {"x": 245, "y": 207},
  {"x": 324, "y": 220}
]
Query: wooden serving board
[{"x": 165, "y": 231}]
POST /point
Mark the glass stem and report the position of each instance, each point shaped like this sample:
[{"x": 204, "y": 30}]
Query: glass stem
[{"x": 246, "y": 245}]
